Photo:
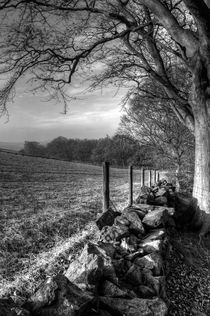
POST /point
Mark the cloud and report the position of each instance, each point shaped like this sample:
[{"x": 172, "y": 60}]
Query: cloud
[{"x": 92, "y": 115}]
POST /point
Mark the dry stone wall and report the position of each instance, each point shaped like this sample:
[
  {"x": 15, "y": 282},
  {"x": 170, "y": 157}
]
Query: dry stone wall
[{"x": 122, "y": 274}]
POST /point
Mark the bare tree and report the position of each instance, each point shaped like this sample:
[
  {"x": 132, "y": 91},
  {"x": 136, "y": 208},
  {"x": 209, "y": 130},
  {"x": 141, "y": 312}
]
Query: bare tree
[
  {"x": 52, "y": 40},
  {"x": 154, "y": 124}
]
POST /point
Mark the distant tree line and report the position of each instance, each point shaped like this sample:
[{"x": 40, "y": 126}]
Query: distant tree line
[{"x": 119, "y": 150}]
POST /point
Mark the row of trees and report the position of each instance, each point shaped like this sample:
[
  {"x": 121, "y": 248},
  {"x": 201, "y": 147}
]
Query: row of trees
[
  {"x": 148, "y": 135},
  {"x": 120, "y": 150}
]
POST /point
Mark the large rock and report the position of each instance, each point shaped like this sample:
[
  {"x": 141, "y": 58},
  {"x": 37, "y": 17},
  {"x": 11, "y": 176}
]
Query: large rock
[
  {"x": 137, "y": 306},
  {"x": 141, "y": 212},
  {"x": 107, "y": 218},
  {"x": 114, "y": 233},
  {"x": 161, "y": 192},
  {"x": 108, "y": 248},
  {"x": 170, "y": 210},
  {"x": 143, "y": 195},
  {"x": 156, "y": 234},
  {"x": 160, "y": 200},
  {"x": 134, "y": 255},
  {"x": 157, "y": 283},
  {"x": 132, "y": 220},
  {"x": 152, "y": 246},
  {"x": 156, "y": 218},
  {"x": 121, "y": 220},
  {"x": 112, "y": 290},
  {"x": 121, "y": 267},
  {"x": 133, "y": 275},
  {"x": 129, "y": 247},
  {"x": 96, "y": 308},
  {"x": 153, "y": 262},
  {"x": 145, "y": 291},
  {"x": 57, "y": 296},
  {"x": 135, "y": 222},
  {"x": 146, "y": 208},
  {"x": 92, "y": 262}
]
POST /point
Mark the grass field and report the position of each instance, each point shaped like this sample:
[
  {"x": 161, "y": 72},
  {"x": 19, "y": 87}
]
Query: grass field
[{"x": 47, "y": 209}]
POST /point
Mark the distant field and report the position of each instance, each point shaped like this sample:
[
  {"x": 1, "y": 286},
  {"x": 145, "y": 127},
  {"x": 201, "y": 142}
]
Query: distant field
[{"x": 44, "y": 203}]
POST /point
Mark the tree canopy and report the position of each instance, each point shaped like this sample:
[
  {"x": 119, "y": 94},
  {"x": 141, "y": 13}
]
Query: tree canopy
[{"x": 50, "y": 41}]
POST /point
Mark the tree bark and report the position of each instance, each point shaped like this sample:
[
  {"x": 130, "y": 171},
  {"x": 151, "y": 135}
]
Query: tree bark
[
  {"x": 177, "y": 178},
  {"x": 201, "y": 189},
  {"x": 200, "y": 104}
]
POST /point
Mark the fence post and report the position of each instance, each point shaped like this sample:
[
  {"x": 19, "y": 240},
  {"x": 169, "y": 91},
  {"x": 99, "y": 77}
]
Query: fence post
[
  {"x": 158, "y": 176},
  {"x": 130, "y": 177},
  {"x": 150, "y": 178},
  {"x": 155, "y": 176},
  {"x": 143, "y": 177},
  {"x": 105, "y": 186}
]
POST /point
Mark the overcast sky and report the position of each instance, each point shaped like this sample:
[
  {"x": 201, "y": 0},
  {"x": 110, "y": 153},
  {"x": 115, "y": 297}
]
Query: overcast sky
[{"x": 93, "y": 115}]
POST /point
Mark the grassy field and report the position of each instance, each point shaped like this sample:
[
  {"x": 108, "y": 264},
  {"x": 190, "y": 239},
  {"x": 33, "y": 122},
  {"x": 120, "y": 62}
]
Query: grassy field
[{"x": 47, "y": 209}]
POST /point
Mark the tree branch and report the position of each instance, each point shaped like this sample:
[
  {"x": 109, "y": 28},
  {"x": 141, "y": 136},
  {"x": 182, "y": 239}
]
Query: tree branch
[{"x": 185, "y": 38}]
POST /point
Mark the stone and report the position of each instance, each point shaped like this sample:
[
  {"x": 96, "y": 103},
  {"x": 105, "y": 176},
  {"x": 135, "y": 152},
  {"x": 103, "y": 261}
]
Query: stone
[
  {"x": 170, "y": 210},
  {"x": 126, "y": 245},
  {"x": 141, "y": 199},
  {"x": 143, "y": 195},
  {"x": 146, "y": 208},
  {"x": 134, "y": 240},
  {"x": 93, "y": 308},
  {"x": 161, "y": 192},
  {"x": 137, "y": 306},
  {"x": 156, "y": 218},
  {"x": 134, "y": 255},
  {"x": 132, "y": 209},
  {"x": 133, "y": 275},
  {"x": 161, "y": 200},
  {"x": 152, "y": 261},
  {"x": 151, "y": 246},
  {"x": 9, "y": 308},
  {"x": 110, "y": 289},
  {"x": 107, "y": 218},
  {"x": 122, "y": 220},
  {"x": 157, "y": 283},
  {"x": 155, "y": 234},
  {"x": 57, "y": 296},
  {"x": 113, "y": 233},
  {"x": 135, "y": 222},
  {"x": 20, "y": 311},
  {"x": 121, "y": 266},
  {"x": 108, "y": 248},
  {"x": 92, "y": 259},
  {"x": 144, "y": 291}
]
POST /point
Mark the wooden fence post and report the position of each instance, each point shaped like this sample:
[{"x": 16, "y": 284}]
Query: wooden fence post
[
  {"x": 150, "y": 178},
  {"x": 158, "y": 176},
  {"x": 155, "y": 176},
  {"x": 143, "y": 176},
  {"x": 105, "y": 186},
  {"x": 130, "y": 177}
]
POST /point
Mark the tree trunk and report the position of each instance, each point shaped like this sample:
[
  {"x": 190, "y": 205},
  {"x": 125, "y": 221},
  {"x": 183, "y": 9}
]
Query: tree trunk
[
  {"x": 200, "y": 105},
  {"x": 201, "y": 188},
  {"x": 177, "y": 178}
]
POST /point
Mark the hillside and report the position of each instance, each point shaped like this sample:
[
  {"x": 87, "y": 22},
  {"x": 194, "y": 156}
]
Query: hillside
[{"x": 45, "y": 206}]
